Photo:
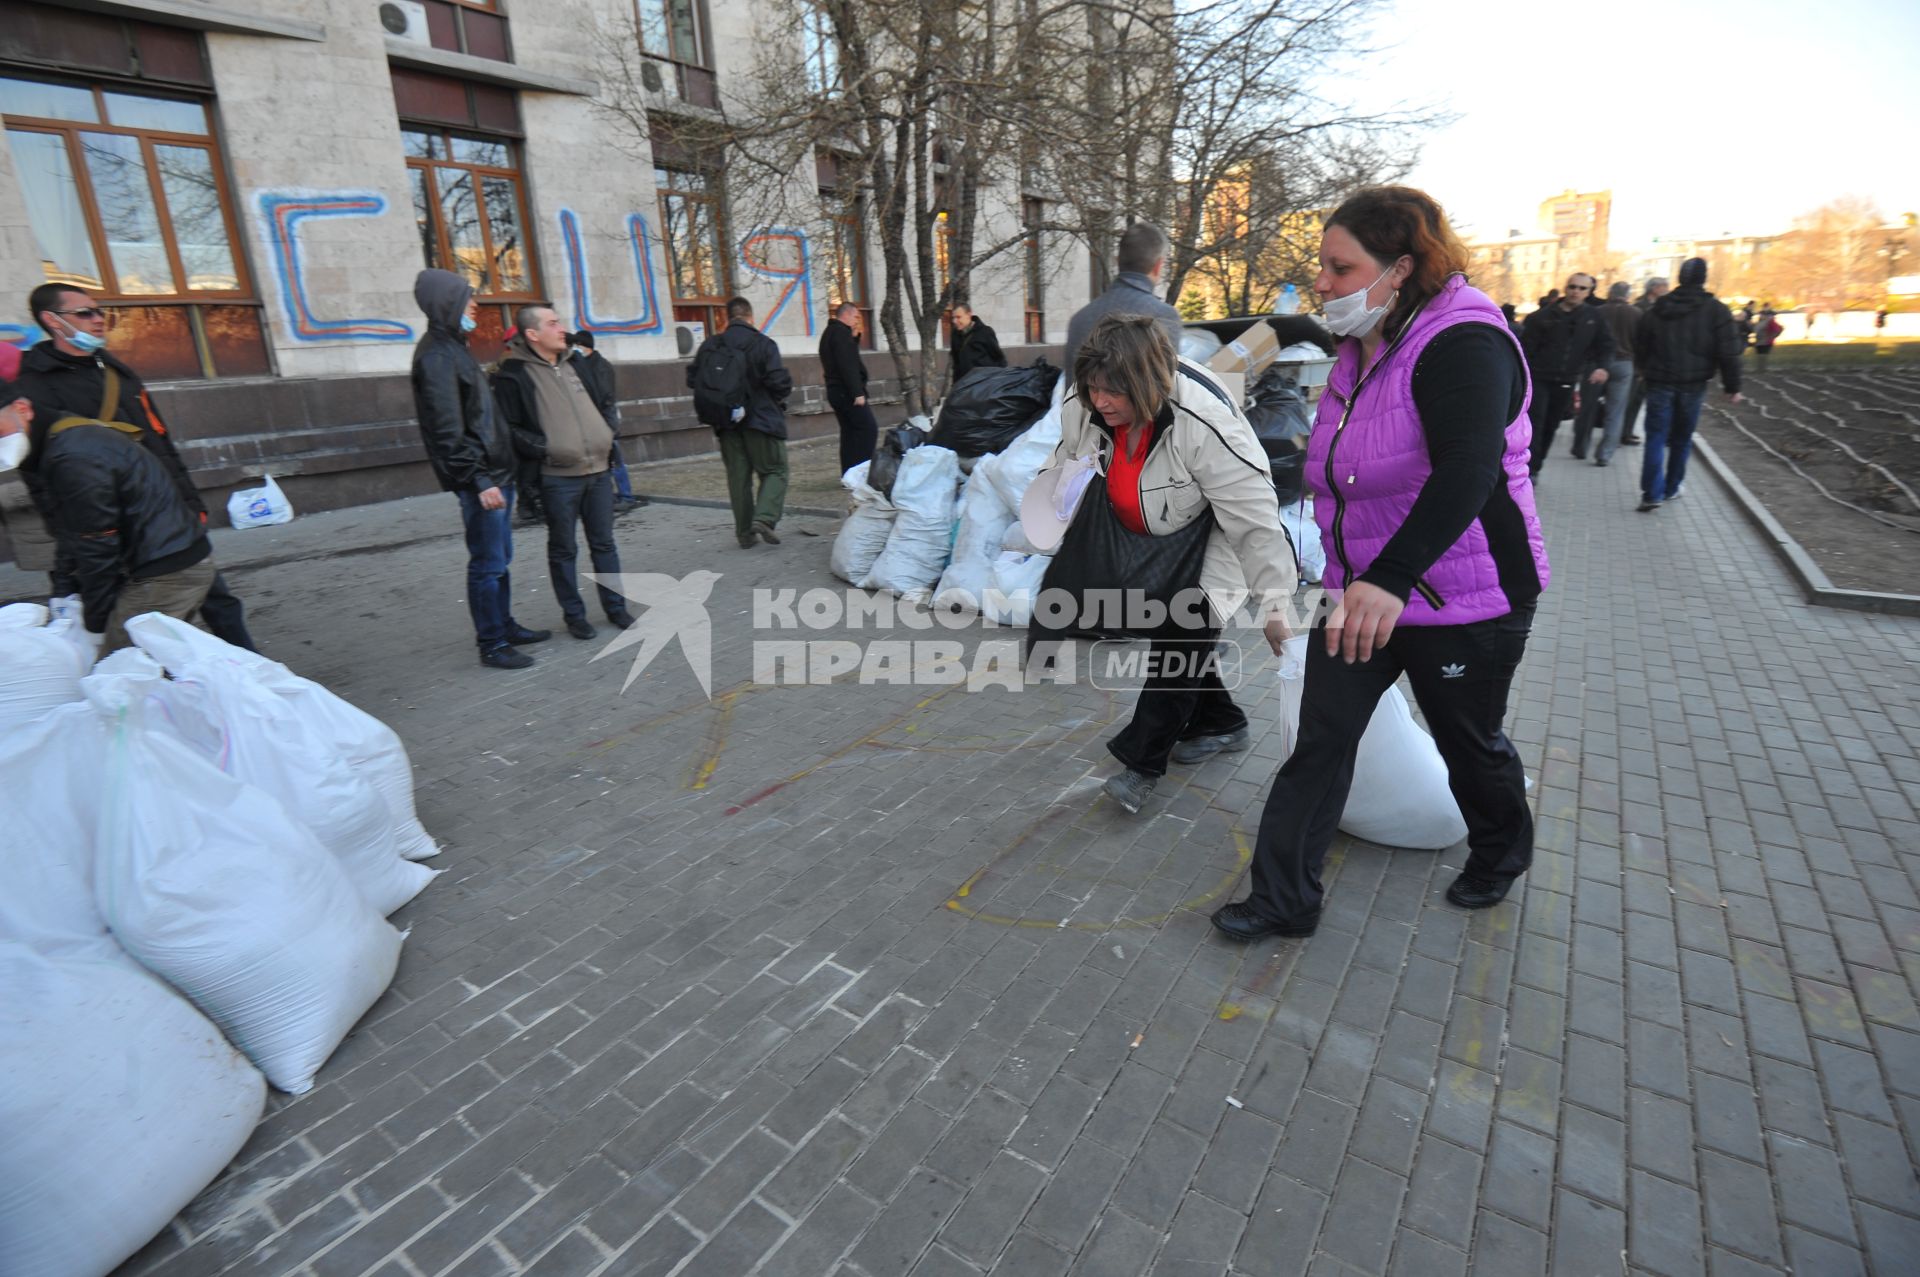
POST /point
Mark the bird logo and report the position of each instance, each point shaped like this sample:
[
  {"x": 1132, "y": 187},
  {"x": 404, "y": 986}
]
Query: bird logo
[{"x": 675, "y": 608}]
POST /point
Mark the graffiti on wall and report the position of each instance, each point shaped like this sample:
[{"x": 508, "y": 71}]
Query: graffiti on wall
[
  {"x": 281, "y": 215},
  {"x": 18, "y": 335},
  {"x": 758, "y": 257},
  {"x": 640, "y": 237}
]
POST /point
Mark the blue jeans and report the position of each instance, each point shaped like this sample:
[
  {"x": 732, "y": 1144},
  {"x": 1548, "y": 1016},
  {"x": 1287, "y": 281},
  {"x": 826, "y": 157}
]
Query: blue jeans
[
  {"x": 489, "y": 551},
  {"x": 1672, "y": 413},
  {"x": 572, "y": 501},
  {"x": 622, "y": 485}
]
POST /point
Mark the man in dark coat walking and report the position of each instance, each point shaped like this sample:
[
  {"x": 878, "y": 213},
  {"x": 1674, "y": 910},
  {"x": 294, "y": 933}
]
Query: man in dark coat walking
[
  {"x": 1564, "y": 343},
  {"x": 846, "y": 376},
  {"x": 1684, "y": 339},
  {"x": 974, "y": 344},
  {"x": 740, "y": 388}
]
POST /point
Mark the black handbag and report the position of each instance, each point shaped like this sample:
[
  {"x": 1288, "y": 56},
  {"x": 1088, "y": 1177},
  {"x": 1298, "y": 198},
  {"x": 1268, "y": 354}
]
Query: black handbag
[{"x": 1100, "y": 557}]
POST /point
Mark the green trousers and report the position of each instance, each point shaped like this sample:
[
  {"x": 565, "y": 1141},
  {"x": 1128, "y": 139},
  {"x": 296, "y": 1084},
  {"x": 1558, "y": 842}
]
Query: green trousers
[{"x": 749, "y": 454}]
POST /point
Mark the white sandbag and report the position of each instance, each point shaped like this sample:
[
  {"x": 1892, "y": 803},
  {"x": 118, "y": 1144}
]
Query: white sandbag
[
  {"x": 50, "y": 783},
  {"x": 1297, "y": 519},
  {"x": 862, "y": 492},
  {"x": 862, "y": 539},
  {"x": 40, "y": 665},
  {"x": 120, "y": 1103},
  {"x": 1011, "y": 470},
  {"x": 918, "y": 547},
  {"x": 367, "y": 745},
  {"x": 212, "y": 885},
  {"x": 1011, "y": 589},
  {"x": 260, "y": 507},
  {"x": 984, "y": 520},
  {"x": 1399, "y": 796},
  {"x": 69, "y": 609},
  {"x": 1016, "y": 542}
]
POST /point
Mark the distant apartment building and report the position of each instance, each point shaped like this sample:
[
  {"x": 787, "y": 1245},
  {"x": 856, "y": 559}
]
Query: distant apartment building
[
  {"x": 1520, "y": 268},
  {"x": 1579, "y": 221}
]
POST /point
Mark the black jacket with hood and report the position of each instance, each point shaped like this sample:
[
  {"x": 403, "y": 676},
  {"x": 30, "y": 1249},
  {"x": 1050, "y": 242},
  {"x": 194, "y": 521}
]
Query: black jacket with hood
[
  {"x": 976, "y": 348},
  {"x": 1564, "y": 345},
  {"x": 1685, "y": 336},
  {"x": 469, "y": 446},
  {"x": 768, "y": 381}
]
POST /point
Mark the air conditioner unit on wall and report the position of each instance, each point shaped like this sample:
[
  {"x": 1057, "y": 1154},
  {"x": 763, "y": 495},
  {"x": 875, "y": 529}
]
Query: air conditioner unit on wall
[{"x": 405, "y": 20}]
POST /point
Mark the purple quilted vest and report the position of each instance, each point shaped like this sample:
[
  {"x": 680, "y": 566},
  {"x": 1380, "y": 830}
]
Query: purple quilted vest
[{"x": 1365, "y": 475}]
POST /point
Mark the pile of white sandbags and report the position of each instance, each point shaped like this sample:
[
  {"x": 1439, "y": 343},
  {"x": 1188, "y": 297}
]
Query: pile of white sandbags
[
  {"x": 994, "y": 570},
  {"x": 189, "y": 862}
]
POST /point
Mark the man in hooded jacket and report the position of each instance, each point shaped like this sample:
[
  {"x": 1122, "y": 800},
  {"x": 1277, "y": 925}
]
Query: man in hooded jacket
[
  {"x": 472, "y": 455},
  {"x": 1684, "y": 337}
]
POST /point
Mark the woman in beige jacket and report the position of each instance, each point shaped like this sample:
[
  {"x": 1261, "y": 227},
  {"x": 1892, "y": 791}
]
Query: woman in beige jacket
[{"x": 1173, "y": 446}]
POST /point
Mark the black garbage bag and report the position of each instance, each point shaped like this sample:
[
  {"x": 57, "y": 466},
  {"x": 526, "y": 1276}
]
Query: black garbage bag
[
  {"x": 892, "y": 447},
  {"x": 989, "y": 407},
  {"x": 1099, "y": 555},
  {"x": 1282, "y": 419}
]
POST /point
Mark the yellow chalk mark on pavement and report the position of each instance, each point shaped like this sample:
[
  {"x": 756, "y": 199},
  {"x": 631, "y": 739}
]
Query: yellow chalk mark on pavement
[{"x": 1243, "y": 856}]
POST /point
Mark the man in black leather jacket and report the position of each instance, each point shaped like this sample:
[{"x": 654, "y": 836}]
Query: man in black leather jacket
[
  {"x": 130, "y": 539},
  {"x": 1565, "y": 343},
  {"x": 472, "y": 455}
]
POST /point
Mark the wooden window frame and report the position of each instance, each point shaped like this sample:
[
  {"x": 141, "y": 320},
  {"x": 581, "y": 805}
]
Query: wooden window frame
[
  {"x": 849, "y": 211},
  {"x": 442, "y": 245},
  {"x": 713, "y": 306}
]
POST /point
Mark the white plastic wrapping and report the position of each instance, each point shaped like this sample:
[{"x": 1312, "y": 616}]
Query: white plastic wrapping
[
  {"x": 41, "y": 664},
  {"x": 864, "y": 533},
  {"x": 1014, "y": 583},
  {"x": 922, "y": 536},
  {"x": 984, "y": 520},
  {"x": 209, "y": 883}
]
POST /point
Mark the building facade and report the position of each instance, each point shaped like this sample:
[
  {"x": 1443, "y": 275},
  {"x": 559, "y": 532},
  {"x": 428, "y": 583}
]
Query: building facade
[{"x": 250, "y": 191}]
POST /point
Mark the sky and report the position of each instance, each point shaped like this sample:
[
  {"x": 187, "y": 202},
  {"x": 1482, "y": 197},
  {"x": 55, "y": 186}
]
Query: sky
[{"x": 1702, "y": 116}]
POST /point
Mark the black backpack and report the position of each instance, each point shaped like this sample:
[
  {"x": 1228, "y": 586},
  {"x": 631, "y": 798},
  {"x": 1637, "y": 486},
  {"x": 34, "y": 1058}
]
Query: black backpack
[{"x": 720, "y": 382}]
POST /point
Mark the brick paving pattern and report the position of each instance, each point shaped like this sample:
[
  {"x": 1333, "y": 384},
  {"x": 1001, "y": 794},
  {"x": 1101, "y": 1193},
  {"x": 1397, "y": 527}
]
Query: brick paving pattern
[{"x": 700, "y": 992}]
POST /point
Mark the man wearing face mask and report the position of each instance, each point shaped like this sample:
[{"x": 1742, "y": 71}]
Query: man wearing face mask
[
  {"x": 472, "y": 455},
  {"x": 72, "y": 375},
  {"x": 1564, "y": 343}
]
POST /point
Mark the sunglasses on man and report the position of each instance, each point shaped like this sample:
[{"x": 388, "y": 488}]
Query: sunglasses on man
[{"x": 85, "y": 312}]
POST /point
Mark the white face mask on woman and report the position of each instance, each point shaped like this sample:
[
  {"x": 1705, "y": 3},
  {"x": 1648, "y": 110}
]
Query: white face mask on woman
[{"x": 1350, "y": 316}]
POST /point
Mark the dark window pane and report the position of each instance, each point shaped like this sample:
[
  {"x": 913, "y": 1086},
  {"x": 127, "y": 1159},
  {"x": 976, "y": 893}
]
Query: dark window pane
[
  {"x": 423, "y": 216},
  {"x": 163, "y": 114},
  {"x": 443, "y": 26},
  {"x": 45, "y": 177},
  {"x": 158, "y": 340},
  {"x": 61, "y": 37},
  {"x": 496, "y": 108},
  {"x": 418, "y": 96},
  {"x": 682, "y": 31},
  {"x": 486, "y": 35},
  {"x": 170, "y": 53},
  {"x": 234, "y": 339},
  {"x": 460, "y": 217},
  {"x": 422, "y": 144},
  {"x": 469, "y": 150},
  {"x": 199, "y": 228},
  {"x": 699, "y": 87},
  {"x": 510, "y": 273},
  {"x": 680, "y": 247},
  {"x": 47, "y": 101},
  {"x": 124, "y": 199}
]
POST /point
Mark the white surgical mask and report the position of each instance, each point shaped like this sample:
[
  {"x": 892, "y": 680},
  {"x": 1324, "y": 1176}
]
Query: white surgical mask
[
  {"x": 13, "y": 450},
  {"x": 82, "y": 340},
  {"x": 1350, "y": 316},
  {"x": 467, "y": 324}
]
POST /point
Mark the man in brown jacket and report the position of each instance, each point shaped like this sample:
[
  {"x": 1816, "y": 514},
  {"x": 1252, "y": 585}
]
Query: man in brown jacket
[{"x": 553, "y": 417}]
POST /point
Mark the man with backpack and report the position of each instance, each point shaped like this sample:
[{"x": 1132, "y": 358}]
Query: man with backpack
[{"x": 740, "y": 389}]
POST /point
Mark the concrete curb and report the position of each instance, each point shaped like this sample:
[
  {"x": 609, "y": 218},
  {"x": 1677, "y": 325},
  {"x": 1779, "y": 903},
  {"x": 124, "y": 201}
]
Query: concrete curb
[
  {"x": 1814, "y": 583},
  {"x": 711, "y": 503}
]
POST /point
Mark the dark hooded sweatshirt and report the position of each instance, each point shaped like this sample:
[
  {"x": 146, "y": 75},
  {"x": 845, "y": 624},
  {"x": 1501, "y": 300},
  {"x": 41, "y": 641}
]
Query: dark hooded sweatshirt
[
  {"x": 466, "y": 442},
  {"x": 1684, "y": 337}
]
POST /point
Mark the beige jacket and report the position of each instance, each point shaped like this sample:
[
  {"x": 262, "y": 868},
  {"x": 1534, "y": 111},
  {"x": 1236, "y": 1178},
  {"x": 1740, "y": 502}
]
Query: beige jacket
[{"x": 1209, "y": 457}]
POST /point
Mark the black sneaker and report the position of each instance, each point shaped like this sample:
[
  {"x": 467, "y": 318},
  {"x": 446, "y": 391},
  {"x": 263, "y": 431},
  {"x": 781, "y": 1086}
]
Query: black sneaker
[
  {"x": 581, "y": 628},
  {"x": 1201, "y": 747},
  {"x": 1646, "y": 506},
  {"x": 1131, "y": 789},
  {"x": 1476, "y": 893},
  {"x": 521, "y": 636},
  {"x": 506, "y": 657},
  {"x": 620, "y": 620},
  {"x": 1241, "y": 921}
]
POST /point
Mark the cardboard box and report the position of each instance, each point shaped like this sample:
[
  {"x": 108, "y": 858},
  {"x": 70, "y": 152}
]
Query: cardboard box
[{"x": 1249, "y": 351}]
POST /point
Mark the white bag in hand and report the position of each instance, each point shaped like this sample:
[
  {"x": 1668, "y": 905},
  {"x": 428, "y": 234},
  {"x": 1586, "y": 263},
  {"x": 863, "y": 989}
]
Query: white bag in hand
[
  {"x": 210, "y": 883},
  {"x": 259, "y": 507},
  {"x": 120, "y": 1103},
  {"x": 1399, "y": 796},
  {"x": 367, "y": 745}
]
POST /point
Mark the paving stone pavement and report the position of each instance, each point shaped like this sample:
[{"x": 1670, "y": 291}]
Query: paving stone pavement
[{"x": 865, "y": 980}]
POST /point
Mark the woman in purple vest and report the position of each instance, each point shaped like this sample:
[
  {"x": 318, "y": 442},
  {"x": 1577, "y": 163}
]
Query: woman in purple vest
[{"x": 1418, "y": 467}]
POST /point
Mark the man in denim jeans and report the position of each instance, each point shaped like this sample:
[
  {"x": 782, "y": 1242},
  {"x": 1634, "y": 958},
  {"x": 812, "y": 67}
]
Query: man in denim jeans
[
  {"x": 1684, "y": 337},
  {"x": 472, "y": 456}
]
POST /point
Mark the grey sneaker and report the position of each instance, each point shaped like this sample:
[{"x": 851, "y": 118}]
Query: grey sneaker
[
  {"x": 1204, "y": 747},
  {"x": 1131, "y": 789}
]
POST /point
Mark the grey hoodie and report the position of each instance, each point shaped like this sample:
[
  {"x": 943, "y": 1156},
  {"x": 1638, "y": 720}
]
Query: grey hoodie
[
  {"x": 442, "y": 297},
  {"x": 577, "y": 438}
]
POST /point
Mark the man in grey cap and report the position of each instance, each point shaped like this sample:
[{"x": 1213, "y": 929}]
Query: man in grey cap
[{"x": 472, "y": 455}]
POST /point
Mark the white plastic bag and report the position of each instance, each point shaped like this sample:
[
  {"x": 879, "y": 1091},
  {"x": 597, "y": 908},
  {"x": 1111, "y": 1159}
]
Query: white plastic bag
[
  {"x": 1297, "y": 519},
  {"x": 1015, "y": 581},
  {"x": 259, "y": 507},
  {"x": 40, "y": 665},
  {"x": 1012, "y": 469},
  {"x": 984, "y": 520},
  {"x": 120, "y": 1103},
  {"x": 49, "y": 810},
  {"x": 922, "y": 536},
  {"x": 367, "y": 745},
  {"x": 1399, "y": 796},
  {"x": 864, "y": 533},
  {"x": 210, "y": 884}
]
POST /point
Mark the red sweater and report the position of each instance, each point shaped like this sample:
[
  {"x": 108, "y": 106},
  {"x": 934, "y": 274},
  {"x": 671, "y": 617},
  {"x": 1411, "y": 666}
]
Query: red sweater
[{"x": 1130, "y": 447}]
